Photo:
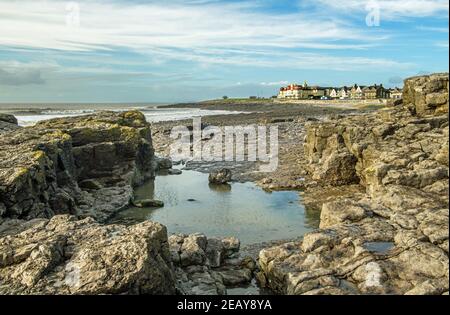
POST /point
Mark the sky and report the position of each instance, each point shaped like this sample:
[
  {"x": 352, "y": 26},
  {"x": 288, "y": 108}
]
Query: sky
[{"x": 174, "y": 51}]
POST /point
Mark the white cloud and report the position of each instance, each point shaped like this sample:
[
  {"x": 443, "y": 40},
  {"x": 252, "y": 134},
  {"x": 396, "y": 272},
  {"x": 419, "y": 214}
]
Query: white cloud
[
  {"x": 42, "y": 24},
  {"x": 391, "y": 9},
  {"x": 278, "y": 83},
  {"x": 433, "y": 29},
  {"x": 210, "y": 33},
  {"x": 17, "y": 73},
  {"x": 442, "y": 44},
  {"x": 206, "y": 32}
]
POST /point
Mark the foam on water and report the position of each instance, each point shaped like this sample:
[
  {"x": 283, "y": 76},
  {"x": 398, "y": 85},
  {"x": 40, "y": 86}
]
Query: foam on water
[{"x": 29, "y": 117}]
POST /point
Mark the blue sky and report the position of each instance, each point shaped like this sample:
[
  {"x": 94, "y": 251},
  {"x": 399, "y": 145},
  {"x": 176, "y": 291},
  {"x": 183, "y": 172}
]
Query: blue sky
[{"x": 171, "y": 51}]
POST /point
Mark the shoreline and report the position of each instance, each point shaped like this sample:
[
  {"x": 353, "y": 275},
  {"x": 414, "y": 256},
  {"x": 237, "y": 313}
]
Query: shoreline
[{"x": 378, "y": 177}]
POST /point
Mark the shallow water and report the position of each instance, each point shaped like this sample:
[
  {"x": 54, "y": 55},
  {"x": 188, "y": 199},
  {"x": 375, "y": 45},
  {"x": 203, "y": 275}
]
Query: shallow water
[
  {"x": 379, "y": 247},
  {"x": 240, "y": 209}
]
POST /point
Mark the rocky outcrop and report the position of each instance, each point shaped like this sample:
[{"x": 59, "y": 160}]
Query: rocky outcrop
[
  {"x": 207, "y": 266},
  {"x": 66, "y": 256},
  {"x": 393, "y": 239},
  {"x": 86, "y": 166},
  {"x": 8, "y": 123},
  {"x": 427, "y": 95}
]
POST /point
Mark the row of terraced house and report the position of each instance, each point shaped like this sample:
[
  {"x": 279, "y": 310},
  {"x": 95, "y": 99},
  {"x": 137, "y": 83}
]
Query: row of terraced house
[{"x": 357, "y": 92}]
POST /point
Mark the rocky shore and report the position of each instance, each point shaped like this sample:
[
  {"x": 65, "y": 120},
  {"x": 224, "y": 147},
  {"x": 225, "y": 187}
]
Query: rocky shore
[
  {"x": 85, "y": 166},
  {"x": 393, "y": 237},
  {"x": 60, "y": 179},
  {"x": 379, "y": 179},
  {"x": 64, "y": 255}
]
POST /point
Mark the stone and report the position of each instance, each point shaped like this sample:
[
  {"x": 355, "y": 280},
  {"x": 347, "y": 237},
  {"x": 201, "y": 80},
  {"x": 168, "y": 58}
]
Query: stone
[
  {"x": 66, "y": 256},
  {"x": 164, "y": 163},
  {"x": 222, "y": 176},
  {"x": 215, "y": 252},
  {"x": 231, "y": 246},
  {"x": 8, "y": 119},
  {"x": 148, "y": 203},
  {"x": 174, "y": 171},
  {"x": 234, "y": 277},
  {"x": 203, "y": 266},
  {"x": 426, "y": 95},
  {"x": 42, "y": 167},
  {"x": 193, "y": 250},
  {"x": 340, "y": 212},
  {"x": 338, "y": 169}
]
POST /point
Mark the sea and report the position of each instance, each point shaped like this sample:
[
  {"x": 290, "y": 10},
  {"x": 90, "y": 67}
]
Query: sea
[{"x": 30, "y": 114}]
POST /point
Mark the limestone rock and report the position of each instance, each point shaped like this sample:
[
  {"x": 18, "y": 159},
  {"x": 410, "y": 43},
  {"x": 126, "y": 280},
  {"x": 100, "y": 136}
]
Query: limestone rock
[
  {"x": 207, "y": 265},
  {"x": 340, "y": 212},
  {"x": 427, "y": 95},
  {"x": 164, "y": 163},
  {"x": 8, "y": 123},
  {"x": 234, "y": 277},
  {"x": 174, "y": 171},
  {"x": 42, "y": 167},
  {"x": 8, "y": 118},
  {"x": 393, "y": 239},
  {"x": 221, "y": 176},
  {"x": 148, "y": 203},
  {"x": 66, "y": 256}
]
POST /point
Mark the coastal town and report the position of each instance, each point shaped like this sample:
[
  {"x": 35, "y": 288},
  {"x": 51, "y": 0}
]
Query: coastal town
[{"x": 355, "y": 92}]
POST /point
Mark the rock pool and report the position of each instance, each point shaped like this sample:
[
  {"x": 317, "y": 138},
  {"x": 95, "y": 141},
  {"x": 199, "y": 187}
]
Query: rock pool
[{"x": 242, "y": 210}]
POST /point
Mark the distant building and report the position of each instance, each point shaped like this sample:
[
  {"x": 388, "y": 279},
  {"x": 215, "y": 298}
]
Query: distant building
[
  {"x": 344, "y": 93},
  {"x": 396, "y": 93},
  {"x": 375, "y": 92},
  {"x": 356, "y": 92},
  {"x": 298, "y": 92},
  {"x": 333, "y": 93}
]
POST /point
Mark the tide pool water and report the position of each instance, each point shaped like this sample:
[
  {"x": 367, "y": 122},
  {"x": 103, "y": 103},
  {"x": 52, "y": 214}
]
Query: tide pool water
[{"x": 240, "y": 209}]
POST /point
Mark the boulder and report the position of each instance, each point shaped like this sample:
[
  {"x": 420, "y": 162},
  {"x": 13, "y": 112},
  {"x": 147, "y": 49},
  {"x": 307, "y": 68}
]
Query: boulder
[
  {"x": 205, "y": 266},
  {"x": 148, "y": 203},
  {"x": 164, "y": 163},
  {"x": 8, "y": 119},
  {"x": 174, "y": 171},
  {"x": 66, "y": 256},
  {"x": 8, "y": 123},
  {"x": 231, "y": 246},
  {"x": 427, "y": 95},
  {"x": 235, "y": 277},
  {"x": 340, "y": 212},
  {"x": 222, "y": 176}
]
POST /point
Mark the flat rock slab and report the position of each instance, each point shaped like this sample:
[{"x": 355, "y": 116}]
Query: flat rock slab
[{"x": 66, "y": 256}]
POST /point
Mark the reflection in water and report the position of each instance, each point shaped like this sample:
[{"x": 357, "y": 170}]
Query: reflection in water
[
  {"x": 379, "y": 247},
  {"x": 241, "y": 209},
  {"x": 220, "y": 188}
]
